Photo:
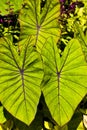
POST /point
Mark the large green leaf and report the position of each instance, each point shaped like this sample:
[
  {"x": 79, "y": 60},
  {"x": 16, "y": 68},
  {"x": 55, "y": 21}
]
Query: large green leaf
[
  {"x": 20, "y": 78},
  {"x": 6, "y": 6},
  {"x": 65, "y": 80},
  {"x": 39, "y": 24}
]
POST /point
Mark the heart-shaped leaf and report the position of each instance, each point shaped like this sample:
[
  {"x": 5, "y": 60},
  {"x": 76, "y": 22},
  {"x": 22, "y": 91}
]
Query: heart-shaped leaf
[
  {"x": 39, "y": 24},
  {"x": 65, "y": 80},
  {"x": 20, "y": 78}
]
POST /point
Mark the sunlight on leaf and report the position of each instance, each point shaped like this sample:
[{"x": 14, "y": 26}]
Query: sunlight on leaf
[
  {"x": 48, "y": 125},
  {"x": 39, "y": 25},
  {"x": 20, "y": 78},
  {"x": 80, "y": 127},
  {"x": 67, "y": 84}
]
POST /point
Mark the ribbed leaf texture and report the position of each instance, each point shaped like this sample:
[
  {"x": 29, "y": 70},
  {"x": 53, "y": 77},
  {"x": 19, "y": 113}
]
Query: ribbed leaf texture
[
  {"x": 20, "y": 78},
  {"x": 65, "y": 80},
  {"x": 39, "y": 23}
]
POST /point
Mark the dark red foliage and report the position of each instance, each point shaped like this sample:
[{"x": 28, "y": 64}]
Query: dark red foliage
[{"x": 69, "y": 8}]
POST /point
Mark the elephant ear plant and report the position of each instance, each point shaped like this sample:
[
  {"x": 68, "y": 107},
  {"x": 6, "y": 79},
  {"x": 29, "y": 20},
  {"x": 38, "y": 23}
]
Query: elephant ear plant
[
  {"x": 35, "y": 68},
  {"x": 64, "y": 82},
  {"x": 40, "y": 23}
]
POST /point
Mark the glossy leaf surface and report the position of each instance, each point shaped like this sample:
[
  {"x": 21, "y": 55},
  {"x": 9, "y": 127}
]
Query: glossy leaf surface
[
  {"x": 65, "y": 80},
  {"x": 20, "y": 78},
  {"x": 40, "y": 24}
]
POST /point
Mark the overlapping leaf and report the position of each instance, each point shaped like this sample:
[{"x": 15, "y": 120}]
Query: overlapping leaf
[
  {"x": 39, "y": 24},
  {"x": 20, "y": 78},
  {"x": 65, "y": 81}
]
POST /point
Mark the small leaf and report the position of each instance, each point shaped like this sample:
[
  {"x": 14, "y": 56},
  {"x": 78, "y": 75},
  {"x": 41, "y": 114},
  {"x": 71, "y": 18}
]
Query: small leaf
[
  {"x": 20, "y": 78},
  {"x": 80, "y": 126},
  {"x": 2, "y": 117},
  {"x": 68, "y": 79},
  {"x": 8, "y": 125},
  {"x": 48, "y": 125}
]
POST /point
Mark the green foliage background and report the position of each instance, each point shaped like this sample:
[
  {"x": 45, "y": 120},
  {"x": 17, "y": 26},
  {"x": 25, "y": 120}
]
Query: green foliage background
[{"x": 43, "y": 76}]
